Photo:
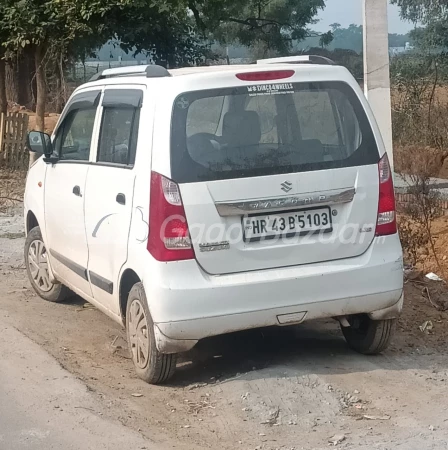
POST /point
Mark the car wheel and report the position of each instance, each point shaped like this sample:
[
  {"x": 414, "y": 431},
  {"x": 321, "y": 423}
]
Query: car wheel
[
  {"x": 368, "y": 336},
  {"x": 36, "y": 260},
  {"x": 151, "y": 365}
]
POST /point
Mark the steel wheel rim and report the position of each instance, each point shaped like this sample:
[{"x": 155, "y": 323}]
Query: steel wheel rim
[
  {"x": 38, "y": 266},
  {"x": 138, "y": 334}
]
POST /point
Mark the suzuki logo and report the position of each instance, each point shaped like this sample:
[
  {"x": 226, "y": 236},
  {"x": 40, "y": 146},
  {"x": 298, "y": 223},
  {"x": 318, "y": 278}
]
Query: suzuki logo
[{"x": 286, "y": 186}]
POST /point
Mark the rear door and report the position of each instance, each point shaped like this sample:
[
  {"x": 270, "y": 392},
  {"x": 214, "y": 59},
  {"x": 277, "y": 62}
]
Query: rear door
[
  {"x": 110, "y": 191},
  {"x": 275, "y": 175}
]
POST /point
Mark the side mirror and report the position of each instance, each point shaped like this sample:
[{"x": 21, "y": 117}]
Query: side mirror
[{"x": 40, "y": 143}]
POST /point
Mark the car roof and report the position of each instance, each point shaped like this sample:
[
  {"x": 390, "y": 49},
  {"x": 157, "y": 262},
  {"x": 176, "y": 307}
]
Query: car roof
[
  {"x": 207, "y": 74},
  {"x": 212, "y": 69}
]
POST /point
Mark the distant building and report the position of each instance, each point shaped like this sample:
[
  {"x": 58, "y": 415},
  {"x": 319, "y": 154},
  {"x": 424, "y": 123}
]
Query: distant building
[{"x": 394, "y": 51}]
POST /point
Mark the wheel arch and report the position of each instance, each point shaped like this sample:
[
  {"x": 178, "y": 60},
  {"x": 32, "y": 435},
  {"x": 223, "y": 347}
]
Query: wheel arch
[
  {"x": 31, "y": 221},
  {"x": 127, "y": 281}
]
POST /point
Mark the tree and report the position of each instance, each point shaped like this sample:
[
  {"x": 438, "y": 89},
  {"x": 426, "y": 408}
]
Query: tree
[
  {"x": 433, "y": 15},
  {"x": 348, "y": 38},
  {"x": 422, "y": 10},
  {"x": 31, "y": 25},
  {"x": 50, "y": 27},
  {"x": 3, "y": 99},
  {"x": 351, "y": 38},
  {"x": 171, "y": 32},
  {"x": 335, "y": 26},
  {"x": 168, "y": 37},
  {"x": 272, "y": 24},
  {"x": 326, "y": 39}
]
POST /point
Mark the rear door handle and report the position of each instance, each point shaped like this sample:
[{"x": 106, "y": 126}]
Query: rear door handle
[
  {"x": 121, "y": 199},
  {"x": 77, "y": 191}
]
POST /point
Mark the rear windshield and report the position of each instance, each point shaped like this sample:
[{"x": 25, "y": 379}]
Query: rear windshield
[{"x": 268, "y": 129}]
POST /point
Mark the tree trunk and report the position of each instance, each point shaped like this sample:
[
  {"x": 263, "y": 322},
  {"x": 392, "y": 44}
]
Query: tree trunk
[
  {"x": 12, "y": 84},
  {"x": 59, "y": 94},
  {"x": 41, "y": 88},
  {"x": 20, "y": 80},
  {"x": 26, "y": 70},
  {"x": 3, "y": 103},
  {"x": 171, "y": 61},
  {"x": 41, "y": 99},
  {"x": 61, "y": 90},
  {"x": 3, "y": 99}
]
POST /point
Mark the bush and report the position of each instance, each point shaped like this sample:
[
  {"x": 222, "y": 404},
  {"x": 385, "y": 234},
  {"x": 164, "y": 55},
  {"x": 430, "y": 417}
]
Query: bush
[{"x": 420, "y": 129}]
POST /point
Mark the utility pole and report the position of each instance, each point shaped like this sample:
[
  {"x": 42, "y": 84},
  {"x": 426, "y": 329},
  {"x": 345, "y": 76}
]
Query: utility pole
[{"x": 376, "y": 67}]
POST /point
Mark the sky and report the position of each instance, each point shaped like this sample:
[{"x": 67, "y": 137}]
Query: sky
[{"x": 346, "y": 12}]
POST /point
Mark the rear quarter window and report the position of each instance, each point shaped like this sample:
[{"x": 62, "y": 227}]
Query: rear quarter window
[
  {"x": 316, "y": 116},
  {"x": 204, "y": 115},
  {"x": 269, "y": 129}
]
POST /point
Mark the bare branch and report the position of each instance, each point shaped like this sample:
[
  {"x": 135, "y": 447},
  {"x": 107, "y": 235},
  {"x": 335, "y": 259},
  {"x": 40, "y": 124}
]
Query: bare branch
[
  {"x": 197, "y": 16},
  {"x": 254, "y": 22},
  {"x": 12, "y": 199}
]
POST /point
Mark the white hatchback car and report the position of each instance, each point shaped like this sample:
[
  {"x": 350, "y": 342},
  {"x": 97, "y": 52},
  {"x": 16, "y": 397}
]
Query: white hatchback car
[{"x": 201, "y": 201}]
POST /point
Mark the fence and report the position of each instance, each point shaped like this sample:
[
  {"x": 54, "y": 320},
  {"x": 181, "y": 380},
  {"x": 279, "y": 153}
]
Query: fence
[{"x": 13, "y": 131}]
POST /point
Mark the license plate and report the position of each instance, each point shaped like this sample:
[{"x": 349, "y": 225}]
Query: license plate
[{"x": 287, "y": 224}]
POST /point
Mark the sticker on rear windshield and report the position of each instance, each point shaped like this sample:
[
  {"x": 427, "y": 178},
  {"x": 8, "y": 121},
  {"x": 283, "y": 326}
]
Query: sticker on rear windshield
[
  {"x": 183, "y": 103},
  {"x": 270, "y": 89}
]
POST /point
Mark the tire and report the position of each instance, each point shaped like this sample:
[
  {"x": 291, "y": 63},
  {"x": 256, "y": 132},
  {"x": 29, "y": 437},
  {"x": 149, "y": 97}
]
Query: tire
[
  {"x": 37, "y": 268},
  {"x": 151, "y": 365},
  {"x": 367, "y": 336}
]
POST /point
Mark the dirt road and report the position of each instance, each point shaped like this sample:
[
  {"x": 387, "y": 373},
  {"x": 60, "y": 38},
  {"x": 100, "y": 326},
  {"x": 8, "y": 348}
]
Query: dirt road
[
  {"x": 298, "y": 388},
  {"x": 44, "y": 407}
]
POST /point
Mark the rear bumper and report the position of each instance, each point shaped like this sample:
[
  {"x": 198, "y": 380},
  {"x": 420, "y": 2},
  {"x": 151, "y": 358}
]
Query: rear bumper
[
  {"x": 175, "y": 337},
  {"x": 187, "y": 304}
]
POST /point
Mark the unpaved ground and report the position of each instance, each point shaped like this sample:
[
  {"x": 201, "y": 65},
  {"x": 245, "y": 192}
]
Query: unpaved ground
[
  {"x": 272, "y": 389},
  {"x": 44, "y": 407}
]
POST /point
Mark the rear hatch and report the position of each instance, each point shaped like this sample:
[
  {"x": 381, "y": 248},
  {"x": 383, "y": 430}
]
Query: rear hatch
[{"x": 275, "y": 174}]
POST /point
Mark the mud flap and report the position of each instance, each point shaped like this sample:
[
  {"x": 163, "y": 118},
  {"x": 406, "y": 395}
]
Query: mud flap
[
  {"x": 168, "y": 346},
  {"x": 393, "y": 312}
]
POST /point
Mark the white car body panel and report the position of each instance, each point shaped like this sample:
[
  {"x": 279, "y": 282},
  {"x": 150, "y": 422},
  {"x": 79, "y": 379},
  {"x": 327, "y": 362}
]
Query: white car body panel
[
  {"x": 107, "y": 226},
  {"x": 108, "y": 223},
  {"x": 367, "y": 283},
  {"x": 64, "y": 216},
  {"x": 344, "y": 242},
  {"x": 34, "y": 196},
  {"x": 246, "y": 286}
]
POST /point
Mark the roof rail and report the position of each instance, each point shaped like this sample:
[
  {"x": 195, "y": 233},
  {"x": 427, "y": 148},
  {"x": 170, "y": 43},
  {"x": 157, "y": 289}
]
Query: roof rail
[
  {"x": 150, "y": 71},
  {"x": 300, "y": 59}
]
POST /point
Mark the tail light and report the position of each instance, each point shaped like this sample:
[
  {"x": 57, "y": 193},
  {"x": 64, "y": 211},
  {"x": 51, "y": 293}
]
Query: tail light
[
  {"x": 169, "y": 239},
  {"x": 386, "y": 222},
  {"x": 265, "y": 76}
]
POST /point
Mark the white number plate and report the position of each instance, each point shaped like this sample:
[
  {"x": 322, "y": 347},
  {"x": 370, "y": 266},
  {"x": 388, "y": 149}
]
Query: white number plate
[{"x": 287, "y": 224}]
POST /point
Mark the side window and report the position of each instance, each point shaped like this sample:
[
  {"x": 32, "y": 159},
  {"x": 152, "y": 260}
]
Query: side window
[
  {"x": 119, "y": 126},
  {"x": 118, "y": 137},
  {"x": 74, "y": 137}
]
